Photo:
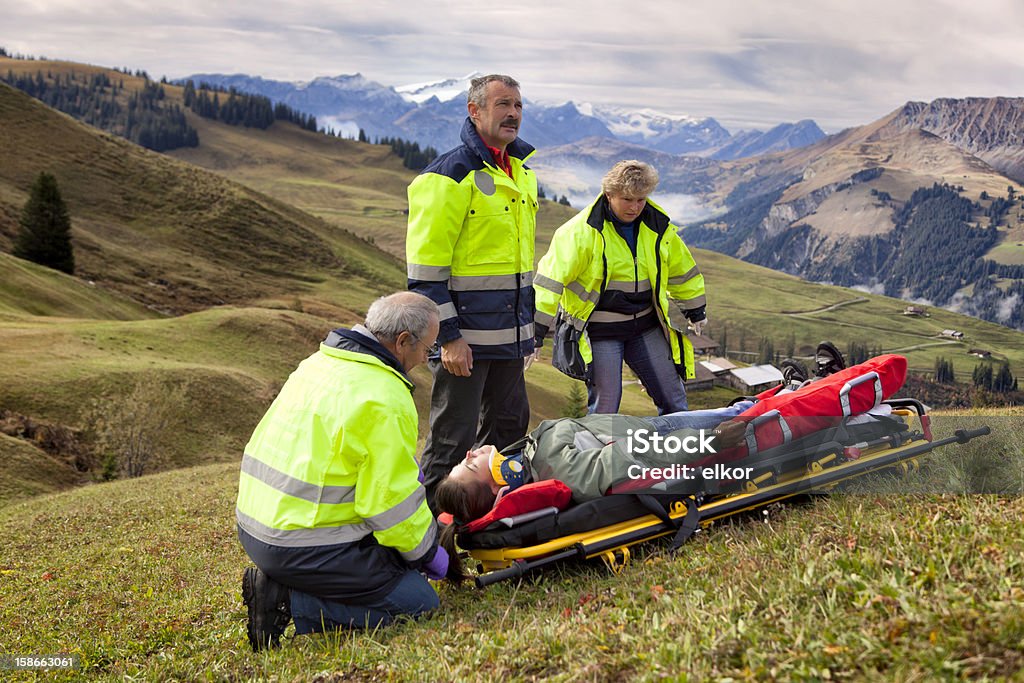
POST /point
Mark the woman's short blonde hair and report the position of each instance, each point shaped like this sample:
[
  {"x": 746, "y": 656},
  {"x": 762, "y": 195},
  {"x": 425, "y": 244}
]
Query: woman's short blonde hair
[{"x": 630, "y": 178}]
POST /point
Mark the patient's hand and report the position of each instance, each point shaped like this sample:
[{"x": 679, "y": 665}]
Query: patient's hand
[{"x": 730, "y": 434}]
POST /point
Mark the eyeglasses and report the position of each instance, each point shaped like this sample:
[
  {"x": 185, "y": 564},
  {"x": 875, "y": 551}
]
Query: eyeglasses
[{"x": 435, "y": 348}]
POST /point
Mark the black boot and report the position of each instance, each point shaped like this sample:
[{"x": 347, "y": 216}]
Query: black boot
[
  {"x": 793, "y": 372},
  {"x": 829, "y": 359},
  {"x": 269, "y": 608}
]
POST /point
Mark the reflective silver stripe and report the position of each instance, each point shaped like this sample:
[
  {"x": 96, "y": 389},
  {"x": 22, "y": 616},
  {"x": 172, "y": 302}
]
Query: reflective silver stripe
[
  {"x": 472, "y": 283},
  {"x": 547, "y": 283},
  {"x": 676, "y": 318},
  {"x": 609, "y": 317},
  {"x": 695, "y": 302},
  {"x": 423, "y": 546},
  {"x": 299, "y": 538},
  {"x": 497, "y": 337},
  {"x": 289, "y": 485},
  {"x": 844, "y": 393},
  {"x": 544, "y": 319},
  {"x": 428, "y": 273},
  {"x": 751, "y": 438},
  {"x": 397, "y": 514},
  {"x": 629, "y": 285},
  {"x": 680, "y": 279},
  {"x": 447, "y": 311},
  {"x": 582, "y": 292}
]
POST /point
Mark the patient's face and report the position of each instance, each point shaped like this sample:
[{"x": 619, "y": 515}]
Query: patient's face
[{"x": 475, "y": 467}]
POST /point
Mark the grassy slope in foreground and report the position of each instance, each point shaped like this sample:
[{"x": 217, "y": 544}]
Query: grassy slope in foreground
[{"x": 861, "y": 586}]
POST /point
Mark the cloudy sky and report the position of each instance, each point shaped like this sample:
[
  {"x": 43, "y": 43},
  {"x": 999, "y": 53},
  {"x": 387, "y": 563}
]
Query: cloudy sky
[{"x": 749, "y": 64}]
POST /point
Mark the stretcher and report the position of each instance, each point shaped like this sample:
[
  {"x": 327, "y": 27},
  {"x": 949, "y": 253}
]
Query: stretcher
[{"x": 607, "y": 528}]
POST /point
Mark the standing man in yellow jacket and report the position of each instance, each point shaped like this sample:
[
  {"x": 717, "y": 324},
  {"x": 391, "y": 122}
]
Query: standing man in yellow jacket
[
  {"x": 472, "y": 219},
  {"x": 331, "y": 508}
]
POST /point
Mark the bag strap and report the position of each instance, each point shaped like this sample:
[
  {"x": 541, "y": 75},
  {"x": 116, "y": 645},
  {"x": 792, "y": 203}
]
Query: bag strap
[{"x": 685, "y": 527}]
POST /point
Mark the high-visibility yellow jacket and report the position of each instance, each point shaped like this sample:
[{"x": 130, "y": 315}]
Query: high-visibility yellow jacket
[
  {"x": 469, "y": 246},
  {"x": 332, "y": 463},
  {"x": 574, "y": 273}
]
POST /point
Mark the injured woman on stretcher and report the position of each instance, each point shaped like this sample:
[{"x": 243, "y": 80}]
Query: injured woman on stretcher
[
  {"x": 595, "y": 454},
  {"x": 588, "y": 454}
]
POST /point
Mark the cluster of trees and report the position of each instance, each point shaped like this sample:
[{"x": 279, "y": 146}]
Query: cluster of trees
[
  {"x": 998, "y": 208},
  {"x": 944, "y": 371},
  {"x": 933, "y": 251},
  {"x": 541, "y": 194},
  {"x": 413, "y": 157},
  {"x": 146, "y": 118},
  {"x": 235, "y": 108},
  {"x": 857, "y": 352},
  {"x": 1000, "y": 382},
  {"x": 984, "y": 376}
]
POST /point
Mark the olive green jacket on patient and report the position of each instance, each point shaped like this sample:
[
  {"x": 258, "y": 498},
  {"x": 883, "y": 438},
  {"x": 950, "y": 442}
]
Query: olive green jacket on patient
[{"x": 591, "y": 453}]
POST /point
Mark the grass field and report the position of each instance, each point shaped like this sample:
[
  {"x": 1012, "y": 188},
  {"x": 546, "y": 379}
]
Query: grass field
[{"x": 856, "y": 586}]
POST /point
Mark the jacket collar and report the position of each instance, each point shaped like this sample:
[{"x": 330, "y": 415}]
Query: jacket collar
[
  {"x": 470, "y": 138},
  {"x": 355, "y": 341},
  {"x": 652, "y": 216}
]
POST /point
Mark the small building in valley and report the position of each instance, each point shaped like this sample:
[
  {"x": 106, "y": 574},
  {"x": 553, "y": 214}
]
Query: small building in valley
[{"x": 754, "y": 379}]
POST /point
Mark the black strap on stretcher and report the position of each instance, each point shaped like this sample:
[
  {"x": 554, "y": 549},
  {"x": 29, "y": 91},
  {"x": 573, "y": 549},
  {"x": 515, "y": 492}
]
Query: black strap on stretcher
[{"x": 685, "y": 526}]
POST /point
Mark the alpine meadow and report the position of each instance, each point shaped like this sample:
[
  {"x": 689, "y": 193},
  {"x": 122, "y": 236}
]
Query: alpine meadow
[{"x": 204, "y": 272}]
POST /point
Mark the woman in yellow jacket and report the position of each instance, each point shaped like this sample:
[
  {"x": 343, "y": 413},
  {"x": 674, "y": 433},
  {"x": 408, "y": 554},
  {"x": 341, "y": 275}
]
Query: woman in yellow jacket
[{"x": 620, "y": 274}]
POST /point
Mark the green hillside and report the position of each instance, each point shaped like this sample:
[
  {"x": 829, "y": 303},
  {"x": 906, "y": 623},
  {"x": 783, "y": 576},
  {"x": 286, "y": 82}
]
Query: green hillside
[
  {"x": 30, "y": 289},
  {"x": 170, "y": 234},
  {"x": 850, "y": 587},
  {"x": 262, "y": 250},
  {"x": 764, "y": 302}
]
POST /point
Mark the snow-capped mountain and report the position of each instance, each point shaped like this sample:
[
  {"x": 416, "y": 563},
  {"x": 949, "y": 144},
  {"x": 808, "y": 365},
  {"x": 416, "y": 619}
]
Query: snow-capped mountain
[
  {"x": 431, "y": 113},
  {"x": 445, "y": 90},
  {"x": 676, "y": 134}
]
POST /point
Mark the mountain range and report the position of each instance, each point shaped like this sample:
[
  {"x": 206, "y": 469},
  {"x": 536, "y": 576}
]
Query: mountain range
[
  {"x": 923, "y": 204},
  {"x": 431, "y": 114}
]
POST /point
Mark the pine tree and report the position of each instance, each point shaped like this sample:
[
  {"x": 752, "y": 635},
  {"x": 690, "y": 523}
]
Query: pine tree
[
  {"x": 576, "y": 406},
  {"x": 45, "y": 236}
]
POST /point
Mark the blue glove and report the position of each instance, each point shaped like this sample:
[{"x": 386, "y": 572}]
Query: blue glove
[{"x": 437, "y": 568}]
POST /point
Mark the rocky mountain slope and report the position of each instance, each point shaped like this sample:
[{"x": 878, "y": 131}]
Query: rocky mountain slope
[{"x": 851, "y": 209}]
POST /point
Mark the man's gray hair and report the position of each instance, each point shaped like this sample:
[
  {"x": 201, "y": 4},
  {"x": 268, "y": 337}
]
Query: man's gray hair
[
  {"x": 391, "y": 315},
  {"x": 478, "y": 87},
  {"x": 630, "y": 178}
]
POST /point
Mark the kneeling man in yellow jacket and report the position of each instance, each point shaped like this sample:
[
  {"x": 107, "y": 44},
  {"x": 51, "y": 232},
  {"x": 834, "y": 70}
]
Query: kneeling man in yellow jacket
[{"x": 331, "y": 505}]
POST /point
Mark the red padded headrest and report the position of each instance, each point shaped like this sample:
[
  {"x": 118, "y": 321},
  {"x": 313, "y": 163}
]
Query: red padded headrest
[{"x": 527, "y": 498}]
